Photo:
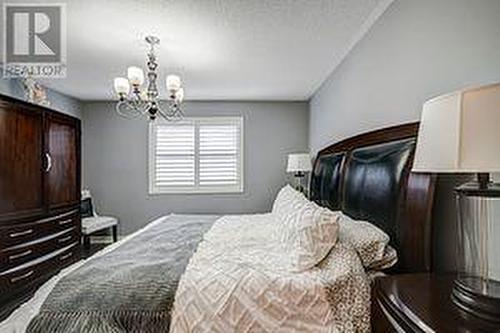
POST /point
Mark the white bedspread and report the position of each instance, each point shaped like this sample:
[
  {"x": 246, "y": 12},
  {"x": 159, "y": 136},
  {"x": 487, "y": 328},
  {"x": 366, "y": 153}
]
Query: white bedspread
[{"x": 238, "y": 281}]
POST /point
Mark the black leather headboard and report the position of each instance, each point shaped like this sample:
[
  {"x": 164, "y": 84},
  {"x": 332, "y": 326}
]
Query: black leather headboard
[
  {"x": 373, "y": 183},
  {"x": 325, "y": 181},
  {"x": 368, "y": 178}
]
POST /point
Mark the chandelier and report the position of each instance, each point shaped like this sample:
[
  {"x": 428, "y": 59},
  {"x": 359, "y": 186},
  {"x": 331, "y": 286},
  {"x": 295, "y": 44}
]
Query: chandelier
[{"x": 136, "y": 100}]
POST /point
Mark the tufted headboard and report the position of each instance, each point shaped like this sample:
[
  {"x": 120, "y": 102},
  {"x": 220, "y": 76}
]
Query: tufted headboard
[{"x": 368, "y": 178}]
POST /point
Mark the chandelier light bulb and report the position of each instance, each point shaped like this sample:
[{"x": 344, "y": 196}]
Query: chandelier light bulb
[
  {"x": 179, "y": 95},
  {"x": 135, "y": 75},
  {"x": 144, "y": 95},
  {"x": 173, "y": 83},
  {"x": 122, "y": 87}
]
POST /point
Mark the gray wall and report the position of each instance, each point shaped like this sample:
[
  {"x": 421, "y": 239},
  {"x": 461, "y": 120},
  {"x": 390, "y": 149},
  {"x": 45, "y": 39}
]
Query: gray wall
[
  {"x": 416, "y": 50},
  {"x": 58, "y": 101},
  {"x": 116, "y": 170}
]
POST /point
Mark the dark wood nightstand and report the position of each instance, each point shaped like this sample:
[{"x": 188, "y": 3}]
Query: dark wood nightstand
[{"x": 420, "y": 303}]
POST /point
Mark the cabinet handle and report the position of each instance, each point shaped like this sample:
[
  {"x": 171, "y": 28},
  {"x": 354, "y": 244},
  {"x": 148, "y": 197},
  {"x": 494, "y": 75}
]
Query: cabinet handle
[
  {"x": 54, "y": 218},
  {"x": 49, "y": 162},
  {"x": 22, "y": 277},
  {"x": 66, "y": 256},
  {"x": 65, "y": 222},
  {"x": 21, "y": 233},
  {"x": 65, "y": 239},
  {"x": 20, "y": 255}
]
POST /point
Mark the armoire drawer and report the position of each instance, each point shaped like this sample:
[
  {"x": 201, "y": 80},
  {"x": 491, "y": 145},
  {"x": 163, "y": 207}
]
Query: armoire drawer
[
  {"x": 18, "y": 255},
  {"x": 30, "y": 271},
  {"x": 17, "y": 235}
]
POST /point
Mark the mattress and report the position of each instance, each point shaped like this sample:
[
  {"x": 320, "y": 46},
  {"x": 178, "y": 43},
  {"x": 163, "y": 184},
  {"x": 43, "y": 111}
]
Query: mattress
[{"x": 238, "y": 281}]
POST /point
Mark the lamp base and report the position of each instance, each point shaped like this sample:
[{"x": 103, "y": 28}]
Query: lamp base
[
  {"x": 298, "y": 176},
  {"x": 466, "y": 296},
  {"x": 482, "y": 187},
  {"x": 476, "y": 290}
]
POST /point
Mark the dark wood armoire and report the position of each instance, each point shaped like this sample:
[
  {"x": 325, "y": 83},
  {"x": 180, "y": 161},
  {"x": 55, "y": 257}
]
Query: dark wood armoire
[{"x": 39, "y": 197}]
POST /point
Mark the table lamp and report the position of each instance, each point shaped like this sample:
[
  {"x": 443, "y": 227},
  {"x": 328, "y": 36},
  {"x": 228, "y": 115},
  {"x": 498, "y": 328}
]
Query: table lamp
[
  {"x": 299, "y": 164},
  {"x": 460, "y": 133}
]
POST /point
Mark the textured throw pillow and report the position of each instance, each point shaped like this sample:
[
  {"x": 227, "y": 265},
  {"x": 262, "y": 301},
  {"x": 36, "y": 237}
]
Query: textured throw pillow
[
  {"x": 287, "y": 201},
  {"x": 370, "y": 243},
  {"x": 308, "y": 234}
]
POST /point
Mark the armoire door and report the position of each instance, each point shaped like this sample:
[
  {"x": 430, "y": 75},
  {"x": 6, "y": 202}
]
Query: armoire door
[
  {"x": 62, "y": 142},
  {"x": 21, "y": 161}
]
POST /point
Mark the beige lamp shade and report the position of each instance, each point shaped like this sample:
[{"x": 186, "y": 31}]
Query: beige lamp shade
[
  {"x": 299, "y": 163},
  {"x": 460, "y": 132}
]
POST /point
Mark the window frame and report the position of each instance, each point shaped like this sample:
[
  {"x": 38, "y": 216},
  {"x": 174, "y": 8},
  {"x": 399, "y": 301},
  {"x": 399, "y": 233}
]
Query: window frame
[{"x": 196, "y": 189}]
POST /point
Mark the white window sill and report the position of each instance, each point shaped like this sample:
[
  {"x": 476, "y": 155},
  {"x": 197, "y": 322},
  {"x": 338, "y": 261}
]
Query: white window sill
[{"x": 195, "y": 191}]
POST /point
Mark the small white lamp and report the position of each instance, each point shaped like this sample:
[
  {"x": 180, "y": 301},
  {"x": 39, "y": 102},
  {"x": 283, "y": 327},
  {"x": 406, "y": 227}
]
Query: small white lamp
[
  {"x": 460, "y": 133},
  {"x": 299, "y": 164}
]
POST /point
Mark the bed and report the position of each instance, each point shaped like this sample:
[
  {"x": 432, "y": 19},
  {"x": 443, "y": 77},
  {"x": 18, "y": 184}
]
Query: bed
[{"x": 229, "y": 273}]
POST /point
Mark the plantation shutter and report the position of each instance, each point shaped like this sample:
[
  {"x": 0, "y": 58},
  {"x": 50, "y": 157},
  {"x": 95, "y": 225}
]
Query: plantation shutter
[
  {"x": 175, "y": 156},
  {"x": 196, "y": 155},
  {"x": 220, "y": 153}
]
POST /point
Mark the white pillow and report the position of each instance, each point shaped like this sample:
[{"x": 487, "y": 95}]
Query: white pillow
[
  {"x": 287, "y": 201},
  {"x": 307, "y": 235},
  {"x": 370, "y": 242}
]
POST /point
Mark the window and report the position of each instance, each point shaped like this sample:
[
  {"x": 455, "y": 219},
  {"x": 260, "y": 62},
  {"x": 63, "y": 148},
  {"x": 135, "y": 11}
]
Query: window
[{"x": 196, "y": 155}]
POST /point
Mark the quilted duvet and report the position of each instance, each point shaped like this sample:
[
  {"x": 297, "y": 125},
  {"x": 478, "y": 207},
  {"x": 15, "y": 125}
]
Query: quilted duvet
[{"x": 239, "y": 280}]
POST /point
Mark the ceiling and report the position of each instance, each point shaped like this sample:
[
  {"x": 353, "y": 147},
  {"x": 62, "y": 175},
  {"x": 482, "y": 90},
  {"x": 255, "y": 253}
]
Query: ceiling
[{"x": 222, "y": 49}]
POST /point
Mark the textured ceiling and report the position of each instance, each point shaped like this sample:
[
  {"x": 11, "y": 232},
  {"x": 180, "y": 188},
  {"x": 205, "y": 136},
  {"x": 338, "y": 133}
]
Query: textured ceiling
[{"x": 223, "y": 49}]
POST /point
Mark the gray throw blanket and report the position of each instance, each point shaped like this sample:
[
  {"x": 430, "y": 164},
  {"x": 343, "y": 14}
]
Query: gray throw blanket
[{"x": 130, "y": 289}]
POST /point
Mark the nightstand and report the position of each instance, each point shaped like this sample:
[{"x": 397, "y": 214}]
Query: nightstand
[{"x": 420, "y": 303}]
